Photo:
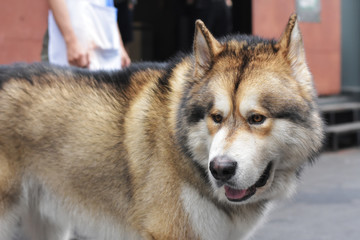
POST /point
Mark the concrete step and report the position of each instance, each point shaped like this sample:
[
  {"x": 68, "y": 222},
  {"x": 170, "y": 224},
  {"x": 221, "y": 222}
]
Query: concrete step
[
  {"x": 340, "y": 107},
  {"x": 335, "y": 132},
  {"x": 336, "y": 99},
  {"x": 342, "y": 116},
  {"x": 343, "y": 128},
  {"x": 340, "y": 113}
]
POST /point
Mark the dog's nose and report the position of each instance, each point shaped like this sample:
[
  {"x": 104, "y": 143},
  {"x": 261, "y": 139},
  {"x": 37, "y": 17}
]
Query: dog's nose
[{"x": 222, "y": 168}]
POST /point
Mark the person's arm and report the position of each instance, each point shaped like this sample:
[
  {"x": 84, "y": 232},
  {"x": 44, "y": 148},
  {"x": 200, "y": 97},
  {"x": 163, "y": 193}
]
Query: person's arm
[
  {"x": 77, "y": 55},
  {"x": 125, "y": 59}
]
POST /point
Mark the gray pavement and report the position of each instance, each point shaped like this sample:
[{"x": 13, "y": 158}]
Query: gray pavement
[{"x": 326, "y": 205}]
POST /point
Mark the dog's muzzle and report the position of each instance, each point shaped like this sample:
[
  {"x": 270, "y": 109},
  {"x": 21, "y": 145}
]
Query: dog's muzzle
[{"x": 223, "y": 169}]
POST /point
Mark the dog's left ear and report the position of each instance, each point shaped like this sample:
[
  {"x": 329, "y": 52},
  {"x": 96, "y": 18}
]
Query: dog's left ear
[
  {"x": 292, "y": 48},
  {"x": 291, "y": 41},
  {"x": 206, "y": 47}
]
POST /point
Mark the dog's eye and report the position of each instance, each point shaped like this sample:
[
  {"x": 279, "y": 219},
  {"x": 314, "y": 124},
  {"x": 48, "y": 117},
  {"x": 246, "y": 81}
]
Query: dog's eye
[
  {"x": 256, "y": 119},
  {"x": 217, "y": 118}
]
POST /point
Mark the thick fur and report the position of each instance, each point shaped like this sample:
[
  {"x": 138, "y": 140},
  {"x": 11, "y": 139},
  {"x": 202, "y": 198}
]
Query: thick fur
[{"x": 126, "y": 155}]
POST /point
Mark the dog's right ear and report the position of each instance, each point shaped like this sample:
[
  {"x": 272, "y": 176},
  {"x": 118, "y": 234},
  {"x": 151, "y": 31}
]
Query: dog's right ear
[
  {"x": 206, "y": 47},
  {"x": 292, "y": 48}
]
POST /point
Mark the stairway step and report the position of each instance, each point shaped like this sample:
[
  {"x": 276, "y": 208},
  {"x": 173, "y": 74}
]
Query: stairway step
[
  {"x": 343, "y": 128},
  {"x": 335, "y": 131},
  {"x": 339, "y": 107}
]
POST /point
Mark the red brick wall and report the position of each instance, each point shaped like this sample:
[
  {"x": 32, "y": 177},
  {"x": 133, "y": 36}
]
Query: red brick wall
[
  {"x": 322, "y": 40},
  {"x": 22, "y": 26}
]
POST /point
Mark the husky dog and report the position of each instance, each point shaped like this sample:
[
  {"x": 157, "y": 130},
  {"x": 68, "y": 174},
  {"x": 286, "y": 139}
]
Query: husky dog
[{"x": 197, "y": 148}]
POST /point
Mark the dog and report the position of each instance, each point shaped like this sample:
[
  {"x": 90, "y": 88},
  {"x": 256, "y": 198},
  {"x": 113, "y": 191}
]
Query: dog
[{"x": 196, "y": 148}]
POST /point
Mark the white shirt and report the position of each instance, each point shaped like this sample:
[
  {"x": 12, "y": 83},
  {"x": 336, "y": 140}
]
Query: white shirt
[{"x": 95, "y": 25}]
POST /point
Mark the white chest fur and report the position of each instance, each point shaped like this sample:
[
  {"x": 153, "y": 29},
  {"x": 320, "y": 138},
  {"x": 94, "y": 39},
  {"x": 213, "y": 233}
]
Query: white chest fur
[{"x": 210, "y": 222}]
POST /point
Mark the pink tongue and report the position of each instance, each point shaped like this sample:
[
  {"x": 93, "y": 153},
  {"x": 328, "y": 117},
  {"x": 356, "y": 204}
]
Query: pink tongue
[{"x": 234, "y": 193}]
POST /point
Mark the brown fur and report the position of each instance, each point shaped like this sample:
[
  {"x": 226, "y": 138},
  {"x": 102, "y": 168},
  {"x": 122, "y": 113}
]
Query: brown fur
[{"x": 115, "y": 150}]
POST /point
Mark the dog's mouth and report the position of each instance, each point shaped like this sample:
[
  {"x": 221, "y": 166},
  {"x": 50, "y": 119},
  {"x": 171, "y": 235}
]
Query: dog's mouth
[{"x": 238, "y": 195}]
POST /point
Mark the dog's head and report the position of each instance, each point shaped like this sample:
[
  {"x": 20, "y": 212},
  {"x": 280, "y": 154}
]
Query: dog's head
[{"x": 248, "y": 115}]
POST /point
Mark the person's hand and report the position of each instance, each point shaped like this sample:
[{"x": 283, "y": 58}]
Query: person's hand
[
  {"x": 125, "y": 59},
  {"x": 77, "y": 55}
]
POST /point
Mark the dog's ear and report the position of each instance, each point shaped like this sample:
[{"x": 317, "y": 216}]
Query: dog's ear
[
  {"x": 206, "y": 47},
  {"x": 291, "y": 41},
  {"x": 292, "y": 48}
]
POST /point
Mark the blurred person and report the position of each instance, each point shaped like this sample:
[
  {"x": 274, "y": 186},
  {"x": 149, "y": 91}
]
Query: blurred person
[{"x": 84, "y": 33}]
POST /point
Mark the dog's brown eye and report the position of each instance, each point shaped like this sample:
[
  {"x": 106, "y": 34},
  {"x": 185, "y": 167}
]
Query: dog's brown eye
[
  {"x": 217, "y": 118},
  {"x": 256, "y": 119}
]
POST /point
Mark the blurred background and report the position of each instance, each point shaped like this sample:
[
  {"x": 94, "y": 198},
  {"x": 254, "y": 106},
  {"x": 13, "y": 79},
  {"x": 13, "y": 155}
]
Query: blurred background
[
  {"x": 328, "y": 203},
  {"x": 163, "y": 27}
]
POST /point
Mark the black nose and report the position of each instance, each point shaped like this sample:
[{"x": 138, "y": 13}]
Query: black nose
[{"x": 222, "y": 168}]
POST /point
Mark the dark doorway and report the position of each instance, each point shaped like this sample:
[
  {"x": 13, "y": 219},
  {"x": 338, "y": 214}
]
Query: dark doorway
[
  {"x": 242, "y": 16},
  {"x": 164, "y": 27}
]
